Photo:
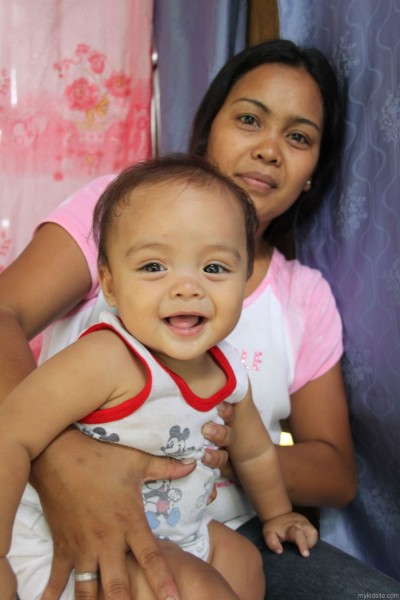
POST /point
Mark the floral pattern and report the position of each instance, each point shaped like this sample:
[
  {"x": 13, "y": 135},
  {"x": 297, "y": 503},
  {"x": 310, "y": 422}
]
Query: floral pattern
[
  {"x": 75, "y": 103},
  {"x": 97, "y": 105},
  {"x": 88, "y": 92}
]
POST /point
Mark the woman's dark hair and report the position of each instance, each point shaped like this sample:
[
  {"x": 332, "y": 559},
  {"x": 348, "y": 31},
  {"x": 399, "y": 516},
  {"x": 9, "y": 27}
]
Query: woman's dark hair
[
  {"x": 192, "y": 170},
  {"x": 281, "y": 230}
]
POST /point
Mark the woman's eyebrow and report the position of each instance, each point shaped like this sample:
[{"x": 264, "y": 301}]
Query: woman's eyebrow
[
  {"x": 257, "y": 103},
  {"x": 266, "y": 110}
]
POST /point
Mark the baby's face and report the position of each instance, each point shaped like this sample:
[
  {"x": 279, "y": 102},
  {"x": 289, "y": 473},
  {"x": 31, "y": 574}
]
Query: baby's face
[{"x": 178, "y": 262}]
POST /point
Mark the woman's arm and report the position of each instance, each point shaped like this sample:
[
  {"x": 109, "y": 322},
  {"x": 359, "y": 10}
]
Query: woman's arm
[
  {"x": 319, "y": 468},
  {"x": 47, "y": 280}
]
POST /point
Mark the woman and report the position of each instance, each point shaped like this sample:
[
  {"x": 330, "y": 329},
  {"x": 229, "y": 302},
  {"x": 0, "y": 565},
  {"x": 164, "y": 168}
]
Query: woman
[{"x": 271, "y": 120}]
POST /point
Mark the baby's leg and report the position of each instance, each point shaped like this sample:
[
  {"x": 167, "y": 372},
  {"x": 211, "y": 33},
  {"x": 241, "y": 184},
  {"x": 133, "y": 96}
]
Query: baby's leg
[
  {"x": 195, "y": 578},
  {"x": 238, "y": 560}
]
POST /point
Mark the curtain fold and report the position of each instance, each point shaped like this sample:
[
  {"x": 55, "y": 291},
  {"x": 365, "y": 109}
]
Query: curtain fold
[
  {"x": 354, "y": 240},
  {"x": 75, "y": 93},
  {"x": 193, "y": 38}
]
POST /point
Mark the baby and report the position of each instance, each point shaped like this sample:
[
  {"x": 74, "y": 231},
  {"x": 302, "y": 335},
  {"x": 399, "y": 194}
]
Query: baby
[{"x": 176, "y": 246}]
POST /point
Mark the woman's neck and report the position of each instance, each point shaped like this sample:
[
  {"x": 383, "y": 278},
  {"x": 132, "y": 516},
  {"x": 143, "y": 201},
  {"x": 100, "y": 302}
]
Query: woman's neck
[{"x": 262, "y": 260}]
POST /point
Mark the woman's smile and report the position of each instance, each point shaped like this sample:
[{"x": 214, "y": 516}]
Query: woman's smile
[{"x": 257, "y": 181}]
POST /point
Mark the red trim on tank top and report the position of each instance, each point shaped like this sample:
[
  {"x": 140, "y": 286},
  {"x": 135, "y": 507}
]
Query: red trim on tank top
[
  {"x": 205, "y": 404},
  {"x": 126, "y": 408}
]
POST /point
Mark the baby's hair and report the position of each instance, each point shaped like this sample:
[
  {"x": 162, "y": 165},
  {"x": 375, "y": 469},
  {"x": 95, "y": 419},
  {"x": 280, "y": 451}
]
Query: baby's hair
[{"x": 192, "y": 170}]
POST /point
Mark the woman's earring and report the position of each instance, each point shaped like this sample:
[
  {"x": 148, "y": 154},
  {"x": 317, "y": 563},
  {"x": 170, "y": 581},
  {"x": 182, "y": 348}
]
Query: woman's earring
[{"x": 307, "y": 187}]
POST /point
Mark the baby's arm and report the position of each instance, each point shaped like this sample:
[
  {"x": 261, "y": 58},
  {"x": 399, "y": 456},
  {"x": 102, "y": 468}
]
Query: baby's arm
[
  {"x": 256, "y": 464},
  {"x": 78, "y": 380}
]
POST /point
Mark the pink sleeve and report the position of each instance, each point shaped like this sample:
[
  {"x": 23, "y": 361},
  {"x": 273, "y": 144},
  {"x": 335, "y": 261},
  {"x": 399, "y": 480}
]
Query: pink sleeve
[
  {"x": 321, "y": 345},
  {"x": 75, "y": 216}
]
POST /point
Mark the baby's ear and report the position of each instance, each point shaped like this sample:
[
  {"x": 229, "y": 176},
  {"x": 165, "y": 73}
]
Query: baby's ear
[{"x": 107, "y": 284}]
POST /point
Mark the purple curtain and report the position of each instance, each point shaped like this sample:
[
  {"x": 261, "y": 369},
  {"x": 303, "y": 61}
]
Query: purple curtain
[
  {"x": 193, "y": 38},
  {"x": 355, "y": 242}
]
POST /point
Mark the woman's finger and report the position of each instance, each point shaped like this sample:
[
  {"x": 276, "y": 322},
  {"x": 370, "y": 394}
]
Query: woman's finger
[
  {"x": 216, "y": 459},
  {"x": 59, "y": 574},
  {"x": 87, "y": 582},
  {"x": 148, "y": 554},
  {"x": 220, "y": 435},
  {"x": 225, "y": 411}
]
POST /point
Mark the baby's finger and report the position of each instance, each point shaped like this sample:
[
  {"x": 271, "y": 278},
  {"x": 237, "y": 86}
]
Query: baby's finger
[
  {"x": 272, "y": 541},
  {"x": 311, "y": 534},
  {"x": 298, "y": 536}
]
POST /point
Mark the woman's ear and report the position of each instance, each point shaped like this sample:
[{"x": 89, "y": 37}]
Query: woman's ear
[{"x": 107, "y": 284}]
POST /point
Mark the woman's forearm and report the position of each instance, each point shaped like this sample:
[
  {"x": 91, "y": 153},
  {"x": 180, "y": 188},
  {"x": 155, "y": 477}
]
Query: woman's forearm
[{"x": 316, "y": 475}]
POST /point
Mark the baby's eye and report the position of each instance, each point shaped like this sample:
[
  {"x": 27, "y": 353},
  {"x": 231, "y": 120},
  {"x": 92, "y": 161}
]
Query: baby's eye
[
  {"x": 153, "y": 267},
  {"x": 215, "y": 268}
]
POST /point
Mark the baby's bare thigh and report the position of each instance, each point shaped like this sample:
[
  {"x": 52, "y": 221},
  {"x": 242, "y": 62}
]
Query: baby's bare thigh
[
  {"x": 238, "y": 561},
  {"x": 195, "y": 578}
]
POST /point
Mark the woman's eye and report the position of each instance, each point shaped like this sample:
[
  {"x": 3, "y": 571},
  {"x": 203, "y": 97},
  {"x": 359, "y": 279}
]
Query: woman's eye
[
  {"x": 153, "y": 267},
  {"x": 299, "y": 138},
  {"x": 214, "y": 268},
  {"x": 248, "y": 120}
]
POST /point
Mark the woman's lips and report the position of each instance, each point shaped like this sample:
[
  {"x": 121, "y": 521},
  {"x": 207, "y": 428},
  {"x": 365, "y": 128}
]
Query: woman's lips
[{"x": 257, "y": 181}]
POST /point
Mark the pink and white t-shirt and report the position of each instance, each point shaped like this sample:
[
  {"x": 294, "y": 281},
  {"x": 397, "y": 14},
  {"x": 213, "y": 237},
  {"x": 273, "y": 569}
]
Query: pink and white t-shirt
[{"x": 289, "y": 332}]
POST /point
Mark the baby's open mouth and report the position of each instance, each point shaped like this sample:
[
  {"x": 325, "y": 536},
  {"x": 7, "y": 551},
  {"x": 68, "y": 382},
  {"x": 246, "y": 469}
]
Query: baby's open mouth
[{"x": 184, "y": 321}]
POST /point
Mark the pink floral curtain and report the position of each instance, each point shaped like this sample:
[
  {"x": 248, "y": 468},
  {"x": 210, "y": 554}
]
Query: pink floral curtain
[{"x": 75, "y": 97}]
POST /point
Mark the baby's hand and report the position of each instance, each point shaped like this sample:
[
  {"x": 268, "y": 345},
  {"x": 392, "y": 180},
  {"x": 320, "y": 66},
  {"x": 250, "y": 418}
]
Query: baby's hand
[
  {"x": 8, "y": 581},
  {"x": 291, "y": 527}
]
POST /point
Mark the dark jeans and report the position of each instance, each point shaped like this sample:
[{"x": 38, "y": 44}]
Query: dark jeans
[{"x": 327, "y": 574}]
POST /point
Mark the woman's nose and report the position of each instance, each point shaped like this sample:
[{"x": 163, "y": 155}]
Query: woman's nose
[{"x": 268, "y": 150}]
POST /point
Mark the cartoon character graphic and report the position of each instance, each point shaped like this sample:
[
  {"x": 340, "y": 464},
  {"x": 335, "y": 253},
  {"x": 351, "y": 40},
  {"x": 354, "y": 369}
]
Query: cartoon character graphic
[
  {"x": 159, "y": 499},
  {"x": 176, "y": 444},
  {"x": 99, "y": 433},
  {"x": 202, "y": 501}
]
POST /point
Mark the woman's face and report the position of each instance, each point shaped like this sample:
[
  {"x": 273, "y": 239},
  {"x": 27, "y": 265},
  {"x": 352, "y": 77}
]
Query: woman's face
[{"x": 267, "y": 136}]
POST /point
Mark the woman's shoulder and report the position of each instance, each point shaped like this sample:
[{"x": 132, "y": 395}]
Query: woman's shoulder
[
  {"x": 294, "y": 280},
  {"x": 83, "y": 199},
  {"x": 75, "y": 216}
]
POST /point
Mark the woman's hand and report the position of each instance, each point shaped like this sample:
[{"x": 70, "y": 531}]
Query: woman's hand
[
  {"x": 91, "y": 497},
  {"x": 221, "y": 436}
]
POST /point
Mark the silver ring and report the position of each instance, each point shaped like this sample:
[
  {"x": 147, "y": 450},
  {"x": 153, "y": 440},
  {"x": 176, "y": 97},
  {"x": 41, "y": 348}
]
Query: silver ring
[{"x": 86, "y": 576}]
